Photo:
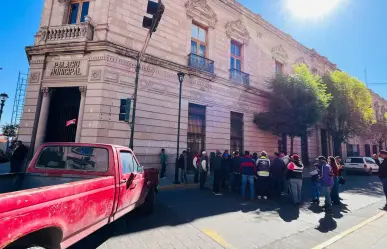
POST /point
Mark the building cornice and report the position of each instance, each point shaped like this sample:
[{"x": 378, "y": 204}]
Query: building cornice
[
  {"x": 88, "y": 47},
  {"x": 274, "y": 30}
]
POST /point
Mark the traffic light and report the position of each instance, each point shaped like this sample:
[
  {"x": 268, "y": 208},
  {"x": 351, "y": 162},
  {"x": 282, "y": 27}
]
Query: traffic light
[
  {"x": 124, "y": 110},
  {"x": 156, "y": 10}
]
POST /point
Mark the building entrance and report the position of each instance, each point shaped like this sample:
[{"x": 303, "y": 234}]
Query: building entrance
[{"x": 64, "y": 106}]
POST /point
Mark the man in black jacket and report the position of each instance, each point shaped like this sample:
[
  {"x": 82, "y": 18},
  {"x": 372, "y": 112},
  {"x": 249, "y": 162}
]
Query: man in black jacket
[
  {"x": 18, "y": 157},
  {"x": 235, "y": 176},
  {"x": 277, "y": 172},
  {"x": 383, "y": 172}
]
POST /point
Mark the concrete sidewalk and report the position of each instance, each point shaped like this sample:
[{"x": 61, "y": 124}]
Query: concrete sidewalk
[{"x": 371, "y": 233}]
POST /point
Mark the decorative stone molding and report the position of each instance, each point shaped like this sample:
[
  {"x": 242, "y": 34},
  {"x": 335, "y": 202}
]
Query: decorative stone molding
[
  {"x": 66, "y": 33},
  {"x": 82, "y": 90},
  {"x": 46, "y": 92},
  {"x": 34, "y": 77},
  {"x": 236, "y": 30},
  {"x": 200, "y": 11},
  {"x": 259, "y": 34},
  {"x": 300, "y": 60},
  {"x": 279, "y": 54},
  {"x": 95, "y": 75},
  {"x": 111, "y": 76},
  {"x": 64, "y": 2}
]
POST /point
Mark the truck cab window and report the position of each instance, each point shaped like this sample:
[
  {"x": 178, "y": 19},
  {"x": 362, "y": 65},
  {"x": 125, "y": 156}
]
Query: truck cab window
[
  {"x": 127, "y": 162},
  {"x": 74, "y": 158}
]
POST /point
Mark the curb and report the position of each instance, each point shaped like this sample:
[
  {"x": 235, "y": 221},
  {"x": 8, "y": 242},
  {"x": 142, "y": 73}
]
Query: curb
[{"x": 179, "y": 186}]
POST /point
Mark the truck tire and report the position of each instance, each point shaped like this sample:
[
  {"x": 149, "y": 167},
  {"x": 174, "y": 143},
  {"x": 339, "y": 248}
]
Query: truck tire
[{"x": 150, "y": 202}]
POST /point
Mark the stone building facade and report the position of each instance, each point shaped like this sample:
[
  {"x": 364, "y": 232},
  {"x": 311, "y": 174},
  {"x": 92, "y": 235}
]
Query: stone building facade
[{"x": 83, "y": 62}]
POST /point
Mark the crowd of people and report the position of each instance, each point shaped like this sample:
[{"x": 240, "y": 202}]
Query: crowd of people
[{"x": 258, "y": 176}]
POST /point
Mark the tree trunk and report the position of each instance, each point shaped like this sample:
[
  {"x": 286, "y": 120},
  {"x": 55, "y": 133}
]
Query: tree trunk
[
  {"x": 284, "y": 141},
  {"x": 291, "y": 144},
  {"x": 337, "y": 146},
  {"x": 305, "y": 150}
]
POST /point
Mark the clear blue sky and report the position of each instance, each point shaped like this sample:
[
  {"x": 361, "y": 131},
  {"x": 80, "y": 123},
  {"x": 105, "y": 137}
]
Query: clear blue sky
[{"x": 353, "y": 36}]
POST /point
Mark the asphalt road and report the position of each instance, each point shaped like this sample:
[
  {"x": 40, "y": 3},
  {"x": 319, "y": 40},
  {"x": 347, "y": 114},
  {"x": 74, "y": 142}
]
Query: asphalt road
[{"x": 191, "y": 218}]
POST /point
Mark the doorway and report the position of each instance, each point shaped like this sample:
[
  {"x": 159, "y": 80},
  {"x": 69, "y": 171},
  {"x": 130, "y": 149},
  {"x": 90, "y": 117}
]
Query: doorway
[{"x": 64, "y": 106}]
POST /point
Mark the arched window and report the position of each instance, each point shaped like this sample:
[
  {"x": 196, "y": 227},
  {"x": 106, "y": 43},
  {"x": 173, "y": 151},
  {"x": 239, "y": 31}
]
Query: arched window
[{"x": 78, "y": 10}]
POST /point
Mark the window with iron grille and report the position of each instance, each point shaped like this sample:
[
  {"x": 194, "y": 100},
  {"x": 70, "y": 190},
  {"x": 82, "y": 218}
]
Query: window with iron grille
[
  {"x": 196, "y": 129},
  {"x": 236, "y": 132}
]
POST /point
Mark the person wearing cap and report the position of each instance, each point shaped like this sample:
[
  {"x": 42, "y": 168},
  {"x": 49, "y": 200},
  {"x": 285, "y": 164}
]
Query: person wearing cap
[
  {"x": 382, "y": 172},
  {"x": 248, "y": 171},
  {"x": 277, "y": 171},
  {"x": 294, "y": 175},
  {"x": 263, "y": 173}
]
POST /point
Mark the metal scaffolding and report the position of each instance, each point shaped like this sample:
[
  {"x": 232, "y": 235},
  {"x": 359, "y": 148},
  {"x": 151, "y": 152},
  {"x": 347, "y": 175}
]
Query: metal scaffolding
[{"x": 20, "y": 95}]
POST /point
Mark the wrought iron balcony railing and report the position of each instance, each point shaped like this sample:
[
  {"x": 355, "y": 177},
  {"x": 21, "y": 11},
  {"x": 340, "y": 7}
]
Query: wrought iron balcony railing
[
  {"x": 66, "y": 33},
  {"x": 201, "y": 63},
  {"x": 239, "y": 77}
]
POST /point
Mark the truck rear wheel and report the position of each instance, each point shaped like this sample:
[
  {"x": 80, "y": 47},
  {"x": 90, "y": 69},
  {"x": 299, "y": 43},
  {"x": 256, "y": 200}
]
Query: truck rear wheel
[{"x": 150, "y": 202}]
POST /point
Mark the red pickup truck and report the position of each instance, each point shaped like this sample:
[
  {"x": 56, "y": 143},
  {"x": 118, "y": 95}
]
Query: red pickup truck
[{"x": 69, "y": 191}]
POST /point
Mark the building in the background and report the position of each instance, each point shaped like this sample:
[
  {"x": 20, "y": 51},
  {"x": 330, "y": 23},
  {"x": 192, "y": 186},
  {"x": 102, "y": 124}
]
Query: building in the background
[{"x": 83, "y": 62}]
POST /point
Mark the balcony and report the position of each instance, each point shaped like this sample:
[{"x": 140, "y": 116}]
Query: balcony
[
  {"x": 201, "y": 63},
  {"x": 240, "y": 77},
  {"x": 65, "y": 33}
]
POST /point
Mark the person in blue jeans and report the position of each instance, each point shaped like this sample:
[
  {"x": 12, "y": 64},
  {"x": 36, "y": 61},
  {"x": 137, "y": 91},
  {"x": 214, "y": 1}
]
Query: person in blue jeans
[
  {"x": 248, "y": 171},
  {"x": 316, "y": 186},
  {"x": 326, "y": 183}
]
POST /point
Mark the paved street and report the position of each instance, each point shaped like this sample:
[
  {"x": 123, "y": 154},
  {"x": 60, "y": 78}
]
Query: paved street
[{"x": 191, "y": 218}]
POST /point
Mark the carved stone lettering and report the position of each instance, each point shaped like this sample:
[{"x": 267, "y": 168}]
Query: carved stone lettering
[{"x": 66, "y": 68}]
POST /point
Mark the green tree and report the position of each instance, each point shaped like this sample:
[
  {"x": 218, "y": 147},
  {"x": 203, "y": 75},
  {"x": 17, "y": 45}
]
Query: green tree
[
  {"x": 350, "y": 111},
  {"x": 295, "y": 103},
  {"x": 10, "y": 130}
]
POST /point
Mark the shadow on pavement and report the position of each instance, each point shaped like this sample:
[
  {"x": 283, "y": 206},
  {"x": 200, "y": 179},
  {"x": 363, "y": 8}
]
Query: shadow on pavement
[
  {"x": 327, "y": 223},
  {"x": 178, "y": 207}
]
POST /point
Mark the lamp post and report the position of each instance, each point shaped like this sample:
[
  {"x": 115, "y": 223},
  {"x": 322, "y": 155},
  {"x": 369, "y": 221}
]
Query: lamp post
[
  {"x": 180, "y": 76},
  {"x": 3, "y": 98}
]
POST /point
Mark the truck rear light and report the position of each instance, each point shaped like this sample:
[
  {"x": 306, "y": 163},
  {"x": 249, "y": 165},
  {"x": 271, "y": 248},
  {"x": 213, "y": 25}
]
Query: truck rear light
[{"x": 365, "y": 166}]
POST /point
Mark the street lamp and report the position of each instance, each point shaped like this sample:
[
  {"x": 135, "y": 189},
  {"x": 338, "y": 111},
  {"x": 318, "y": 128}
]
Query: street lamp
[
  {"x": 3, "y": 98},
  {"x": 180, "y": 76}
]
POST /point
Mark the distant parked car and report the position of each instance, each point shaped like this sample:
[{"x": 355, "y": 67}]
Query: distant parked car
[{"x": 361, "y": 164}]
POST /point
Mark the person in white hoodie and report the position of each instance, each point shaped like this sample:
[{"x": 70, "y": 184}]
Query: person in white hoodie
[{"x": 203, "y": 169}]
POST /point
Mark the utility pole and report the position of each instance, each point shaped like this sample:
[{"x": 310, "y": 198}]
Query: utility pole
[
  {"x": 365, "y": 77},
  {"x": 157, "y": 11}
]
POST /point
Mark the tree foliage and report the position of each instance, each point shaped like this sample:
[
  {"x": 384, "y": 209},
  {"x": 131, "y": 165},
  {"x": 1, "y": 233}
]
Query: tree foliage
[
  {"x": 295, "y": 103},
  {"x": 350, "y": 111},
  {"x": 10, "y": 130}
]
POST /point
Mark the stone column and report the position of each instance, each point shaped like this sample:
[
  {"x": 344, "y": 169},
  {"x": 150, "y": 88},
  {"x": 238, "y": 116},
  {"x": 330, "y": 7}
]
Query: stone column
[
  {"x": 43, "y": 116},
  {"x": 82, "y": 90}
]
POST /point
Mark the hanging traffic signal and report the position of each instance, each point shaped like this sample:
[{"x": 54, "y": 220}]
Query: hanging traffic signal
[
  {"x": 156, "y": 10},
  {"x": 124, "y": 110}
]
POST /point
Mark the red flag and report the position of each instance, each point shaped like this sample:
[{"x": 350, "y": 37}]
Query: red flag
[{"x": 71, "y": 122}]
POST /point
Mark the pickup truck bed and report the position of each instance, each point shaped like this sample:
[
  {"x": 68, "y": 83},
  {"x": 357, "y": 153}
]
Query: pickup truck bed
[{"x": 23, "y": 181}]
